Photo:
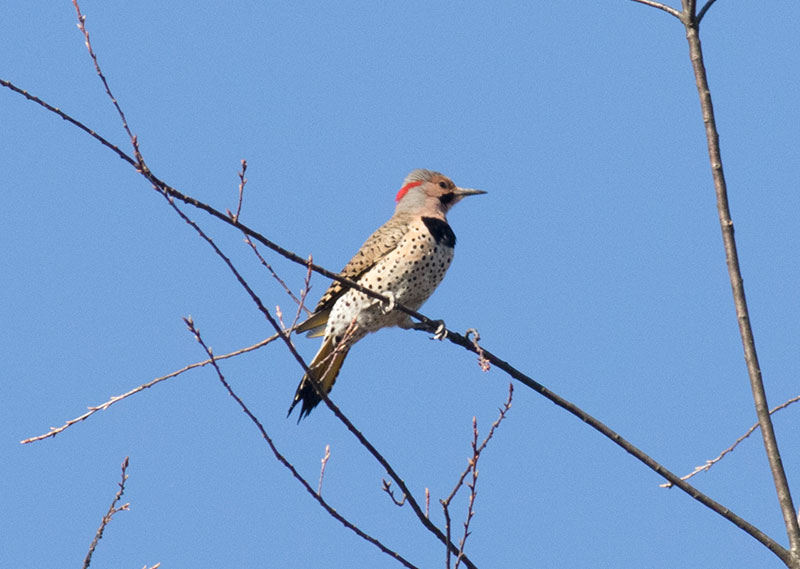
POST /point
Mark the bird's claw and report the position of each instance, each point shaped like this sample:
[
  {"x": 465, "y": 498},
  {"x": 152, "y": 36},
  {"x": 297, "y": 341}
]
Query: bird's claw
[
  {"x": 441, "y": 331},
  {"x": 439, "y": 334},
  {"x": 387, "y": 307}
]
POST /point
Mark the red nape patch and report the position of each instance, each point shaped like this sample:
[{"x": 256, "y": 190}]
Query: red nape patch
[{"x": 404, "y": 190}]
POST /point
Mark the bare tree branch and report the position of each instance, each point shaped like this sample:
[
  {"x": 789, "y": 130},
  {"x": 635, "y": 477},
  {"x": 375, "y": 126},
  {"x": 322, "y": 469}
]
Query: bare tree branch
[
  {"x": 660, "y": 6},
  {"x": 386, "y": 485},
  {"x": 709, "y": 463},
  {"x": 117, "y": 398},
  {"x": 85, "y": 32},
  {"x": 703, "y": 11},
  {"x": 112, "y": 509},
  {"x": 472, "y": 467},
  {"x": 737, "y": 286},
  {"x": 242, "y": 184},
  {"x": 324, "y": 462}
]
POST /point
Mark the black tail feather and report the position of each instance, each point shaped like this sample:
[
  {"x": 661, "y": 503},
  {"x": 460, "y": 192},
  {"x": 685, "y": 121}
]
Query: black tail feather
[{"x": 308, "y": 395}]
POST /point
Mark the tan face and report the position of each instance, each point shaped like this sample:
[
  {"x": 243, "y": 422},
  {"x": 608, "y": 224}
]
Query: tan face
[{"x": 431, "y": 194}]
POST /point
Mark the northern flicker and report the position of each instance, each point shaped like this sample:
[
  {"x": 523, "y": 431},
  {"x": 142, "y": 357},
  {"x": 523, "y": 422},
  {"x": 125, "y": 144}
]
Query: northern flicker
[{"x": 406, "y": 259}]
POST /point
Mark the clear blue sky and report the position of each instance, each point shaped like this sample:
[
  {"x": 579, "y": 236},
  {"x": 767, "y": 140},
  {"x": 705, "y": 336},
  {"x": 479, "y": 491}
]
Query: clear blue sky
[{"x": 595, "y": 264}]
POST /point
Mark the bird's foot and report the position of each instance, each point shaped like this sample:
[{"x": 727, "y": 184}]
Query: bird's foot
[
  {"x": 441, "y": 331},
  {"x": 387, "y": 307},
  {"x": 439, "y": 334}
]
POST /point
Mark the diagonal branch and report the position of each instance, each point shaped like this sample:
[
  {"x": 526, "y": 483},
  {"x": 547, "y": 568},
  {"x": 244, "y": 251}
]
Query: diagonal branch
[
  {"x": 284, "y": 461},
  {"x": 626, "y": 445},
  {"x": 117, "y": 398},
  {"x": 709, "y": 463}
]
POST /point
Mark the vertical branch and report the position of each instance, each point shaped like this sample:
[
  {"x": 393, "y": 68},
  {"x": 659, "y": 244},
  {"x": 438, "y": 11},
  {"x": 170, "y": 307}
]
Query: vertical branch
[
  {"x": 242, "y": 183},
  {"x": 737, "y": 285}
]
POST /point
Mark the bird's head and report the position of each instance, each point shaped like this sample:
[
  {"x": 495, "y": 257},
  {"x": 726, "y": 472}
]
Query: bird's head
[{"x": 430, "y": 193}]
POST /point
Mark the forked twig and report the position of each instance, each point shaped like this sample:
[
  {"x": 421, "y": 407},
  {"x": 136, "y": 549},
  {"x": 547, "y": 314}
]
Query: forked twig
[
  {"x": 472, "y": 468},
  {"x": 386, "y": 486},
  {"x": 112, "y": 509}
]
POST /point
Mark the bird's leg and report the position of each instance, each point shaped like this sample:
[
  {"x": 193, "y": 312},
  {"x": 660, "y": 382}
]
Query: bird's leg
[
  {"x": 408, "y": 324},
  {"x": 386, "y": 308}
]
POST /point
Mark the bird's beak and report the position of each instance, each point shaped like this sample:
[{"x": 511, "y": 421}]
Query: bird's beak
[{"x": 461, "y": 192}]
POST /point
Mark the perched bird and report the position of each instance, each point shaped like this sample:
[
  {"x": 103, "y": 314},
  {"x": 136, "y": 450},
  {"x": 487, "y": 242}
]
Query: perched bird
[{"x": 405, "y": 259}]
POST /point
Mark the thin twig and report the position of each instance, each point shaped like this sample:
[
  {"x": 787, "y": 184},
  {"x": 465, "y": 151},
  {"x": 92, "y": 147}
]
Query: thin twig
[
  {"x": 73, "y": 121},
  {"x": 709, "y": 463},
  {"x": 242, "y": 183},
  {"x": 301, "y": 306},
  {"x": 482, "y": 361},
  {"x": 472, "y": 467},
  {"x": 387, "y": 487},
  {"x": 660, "y": 6},
  {"x": 427, "y": 502},
  {"x": 112, "y": 509},
  {"x": 263, "y": 261},
  {"x": 322, "y": 468},
  {"x": 477, "y": 451},
  {"x": 703, "y": 11},
  {"x": 82, "y": 28},
  {"x": 282, "y": 459},
  {"x": 472, "y": 485},
  {"x": 476, "y": 454},
  {"x": 447, "y": 529},
  {"x": 117, "y": 398}
]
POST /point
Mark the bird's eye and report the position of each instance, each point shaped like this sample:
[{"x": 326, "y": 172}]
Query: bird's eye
[{"x": 443, "y": 185}]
